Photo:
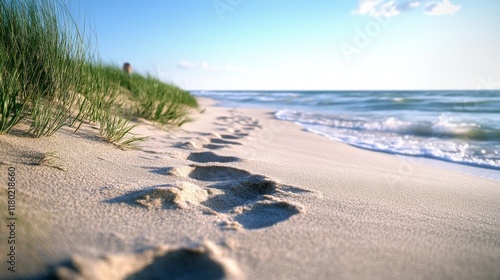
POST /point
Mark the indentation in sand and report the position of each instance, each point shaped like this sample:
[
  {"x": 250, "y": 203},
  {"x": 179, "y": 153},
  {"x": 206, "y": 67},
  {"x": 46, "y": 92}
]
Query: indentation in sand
[
  {"x": 224, "y": 142},
  {"x": 201, "y": 262},
  {"x": 245, "y": 200},
  {"x": 191, "y": 145},
  {"x": 251, "y": 203},
  {"x": 213, "y": 147},
  {"x": 224, "y": 118},
  {"x": 205, "y": 157},
  {"x": 209, "y": 173},
  {"x": 240, "y": 192},
  {"x": 234, "y": 136},
  {"x": 180, "y": 195},
  {"x": 266, "y": 213}
]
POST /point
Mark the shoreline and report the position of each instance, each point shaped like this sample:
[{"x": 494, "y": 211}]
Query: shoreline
[
  {"x": 255, "y": 197},
  {"x": 478, "y": 171}
]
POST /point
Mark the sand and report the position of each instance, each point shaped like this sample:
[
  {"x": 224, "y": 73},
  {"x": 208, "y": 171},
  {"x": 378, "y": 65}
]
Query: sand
[{"x": 239, "y": 195}]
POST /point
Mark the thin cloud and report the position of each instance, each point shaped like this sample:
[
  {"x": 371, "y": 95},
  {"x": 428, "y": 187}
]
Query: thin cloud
[
  {"x": 366, "y": 6},
  {"x": 408, "y": 6},
  {"x": 387, "y": 8},
  {"x": 391, "y": 8},
  {"x": 441, "y": 8},
  {"x": 183, "y": 64}
]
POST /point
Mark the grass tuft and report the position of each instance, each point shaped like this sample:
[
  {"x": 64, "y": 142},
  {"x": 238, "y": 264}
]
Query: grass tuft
[
  {"x": 50, "y": 159},
  {"x": 115, "y": 129}
]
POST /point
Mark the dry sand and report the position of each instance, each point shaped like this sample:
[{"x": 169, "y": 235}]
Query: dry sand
[{"x": 240, "y": 195}]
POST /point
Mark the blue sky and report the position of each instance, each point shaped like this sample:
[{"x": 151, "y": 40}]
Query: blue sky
[{"x": 299, "y": 44}]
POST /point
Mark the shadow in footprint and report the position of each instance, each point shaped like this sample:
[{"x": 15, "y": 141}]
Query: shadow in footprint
[
  {"x": 205, "y": 157},
  {"x": 251, "y": 127},
  {"x": 213, "y": 147},
  {"x": 235, "y": 136},
  {"x": 262, "y": 215},
  {"x": 217, "y": 173},
  {"x": 225, "y": 142},
  {"x": 182, "y": 264}
]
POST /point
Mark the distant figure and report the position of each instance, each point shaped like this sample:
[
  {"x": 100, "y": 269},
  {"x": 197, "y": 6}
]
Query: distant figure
[{"x": 127, "y": 68}]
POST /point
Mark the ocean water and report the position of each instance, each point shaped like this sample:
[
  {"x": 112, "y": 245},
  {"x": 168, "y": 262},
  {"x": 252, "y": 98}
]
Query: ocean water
[{"x": 461, "y": 127}]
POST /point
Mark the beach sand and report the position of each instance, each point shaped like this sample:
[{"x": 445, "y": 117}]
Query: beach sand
[{"x": 239, "y": 195}]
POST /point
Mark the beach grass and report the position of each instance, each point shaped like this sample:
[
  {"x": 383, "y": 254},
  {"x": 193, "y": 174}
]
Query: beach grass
[
  {"x": 50, "y": 77},
  {"x": 116, "y": 129},
  {"x": 151, "y": 98},
  {"x": 50, "y": 159},
  {"x": 41, "y": 60}
]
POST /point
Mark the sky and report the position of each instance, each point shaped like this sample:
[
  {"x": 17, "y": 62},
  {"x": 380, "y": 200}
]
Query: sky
[{"x": 302, "y": 45}]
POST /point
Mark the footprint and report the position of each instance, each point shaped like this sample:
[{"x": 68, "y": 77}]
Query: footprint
[
  {"x": 209, "y": 173},
  {"x": 251, "y": 127},
  {"x": 265, "y": 214},
  {"x": 181, "y": 195},
  {"x": 242, "y": 199},
  {"x": 205, "y": 157},
  {"x": 236, "y": 193},
  {"x": 226, "y": 119},
  {"x": 249, "y": 187},
  {"x": 237, "y": 132},
  {"x": 225, "y": 142},
  {"x": 201, "y": 262},
  {"x": 191, "y": 145},
  {"x": 243, "y": 195},
  {"x": 182, "y": 264},
  {"x": 234, "y": 136},
  {"x": 213, "y": 147},
  {"x": 240, "y": 134},
  {"x": 251, "y": 202}
]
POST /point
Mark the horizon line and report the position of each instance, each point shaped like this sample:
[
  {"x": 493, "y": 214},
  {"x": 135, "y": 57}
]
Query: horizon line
[{"x": 410, "y": 90}]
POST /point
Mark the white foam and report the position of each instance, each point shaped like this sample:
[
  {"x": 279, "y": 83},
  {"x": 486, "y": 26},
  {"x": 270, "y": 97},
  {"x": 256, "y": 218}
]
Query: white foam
[{"x": 396, "y": 136}]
